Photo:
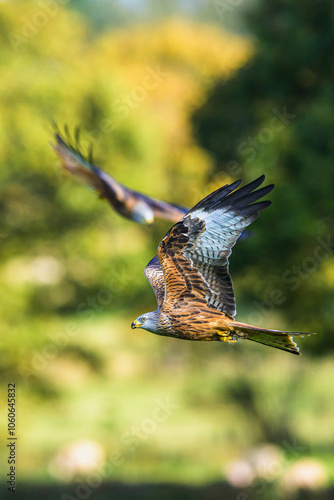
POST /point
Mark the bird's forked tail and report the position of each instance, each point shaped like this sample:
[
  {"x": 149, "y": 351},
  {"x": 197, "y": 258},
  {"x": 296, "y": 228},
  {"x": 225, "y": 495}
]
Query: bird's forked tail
[{"x": 272, "y": 338}]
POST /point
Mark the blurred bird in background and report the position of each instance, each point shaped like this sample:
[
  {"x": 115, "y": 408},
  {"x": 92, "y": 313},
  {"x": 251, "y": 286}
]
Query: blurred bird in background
[{"x": 128, "y": 203}]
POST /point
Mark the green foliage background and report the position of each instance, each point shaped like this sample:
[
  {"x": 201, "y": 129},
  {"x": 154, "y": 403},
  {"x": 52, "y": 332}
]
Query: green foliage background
[{"x": 72, "y": 270}]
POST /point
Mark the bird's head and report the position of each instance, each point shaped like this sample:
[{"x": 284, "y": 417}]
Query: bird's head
[
  {"x": 142, "y": 213},
  {"x": 147, "y": 321}
]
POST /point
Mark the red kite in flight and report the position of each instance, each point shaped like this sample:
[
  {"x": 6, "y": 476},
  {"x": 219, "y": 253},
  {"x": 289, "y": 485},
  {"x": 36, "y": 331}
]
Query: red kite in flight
[
  {"x": 190, "y": 275},
  {"x": 131, "y": 204}
]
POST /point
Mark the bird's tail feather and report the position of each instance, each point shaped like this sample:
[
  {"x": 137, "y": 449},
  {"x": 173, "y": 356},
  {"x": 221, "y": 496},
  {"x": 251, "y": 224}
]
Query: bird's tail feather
[{"x": 273, "y": 338}]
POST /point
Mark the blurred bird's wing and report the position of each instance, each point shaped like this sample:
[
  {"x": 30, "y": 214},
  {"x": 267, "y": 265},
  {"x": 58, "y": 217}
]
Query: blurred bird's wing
[
  {"x": 194, "y": 253},
  {"x": 153, "y": 272},
  {"x": 73, "y": 161}
]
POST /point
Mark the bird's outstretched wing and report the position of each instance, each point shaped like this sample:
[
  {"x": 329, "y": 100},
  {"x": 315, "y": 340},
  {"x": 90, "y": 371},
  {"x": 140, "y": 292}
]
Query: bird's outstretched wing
[
  {"x": 194, "y": 253},
  {"x": 153, "y": 273},
  {"x": 124, "y": 200},
  {"x": 82, "y": 168}
]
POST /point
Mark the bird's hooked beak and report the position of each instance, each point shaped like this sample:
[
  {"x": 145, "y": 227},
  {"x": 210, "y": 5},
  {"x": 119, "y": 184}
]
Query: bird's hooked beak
[{"x": 138, "y": 323}]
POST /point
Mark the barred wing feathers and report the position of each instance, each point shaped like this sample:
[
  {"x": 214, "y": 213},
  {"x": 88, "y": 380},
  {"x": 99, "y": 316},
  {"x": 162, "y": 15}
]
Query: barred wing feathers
[{"x": 194, "y": 253}]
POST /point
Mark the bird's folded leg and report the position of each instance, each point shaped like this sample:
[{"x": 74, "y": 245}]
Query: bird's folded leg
[{"x": 228, "y": 337}]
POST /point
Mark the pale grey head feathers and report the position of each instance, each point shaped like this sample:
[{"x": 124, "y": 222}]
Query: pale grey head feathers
[{"x": 147, "y": 321}]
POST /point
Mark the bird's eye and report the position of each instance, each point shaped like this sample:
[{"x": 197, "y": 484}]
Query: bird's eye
[{"x": 143, "y": 318}]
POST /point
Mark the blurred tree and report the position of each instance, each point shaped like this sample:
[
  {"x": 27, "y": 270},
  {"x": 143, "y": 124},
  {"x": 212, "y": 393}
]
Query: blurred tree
[{"x": 275, "y": 117}]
